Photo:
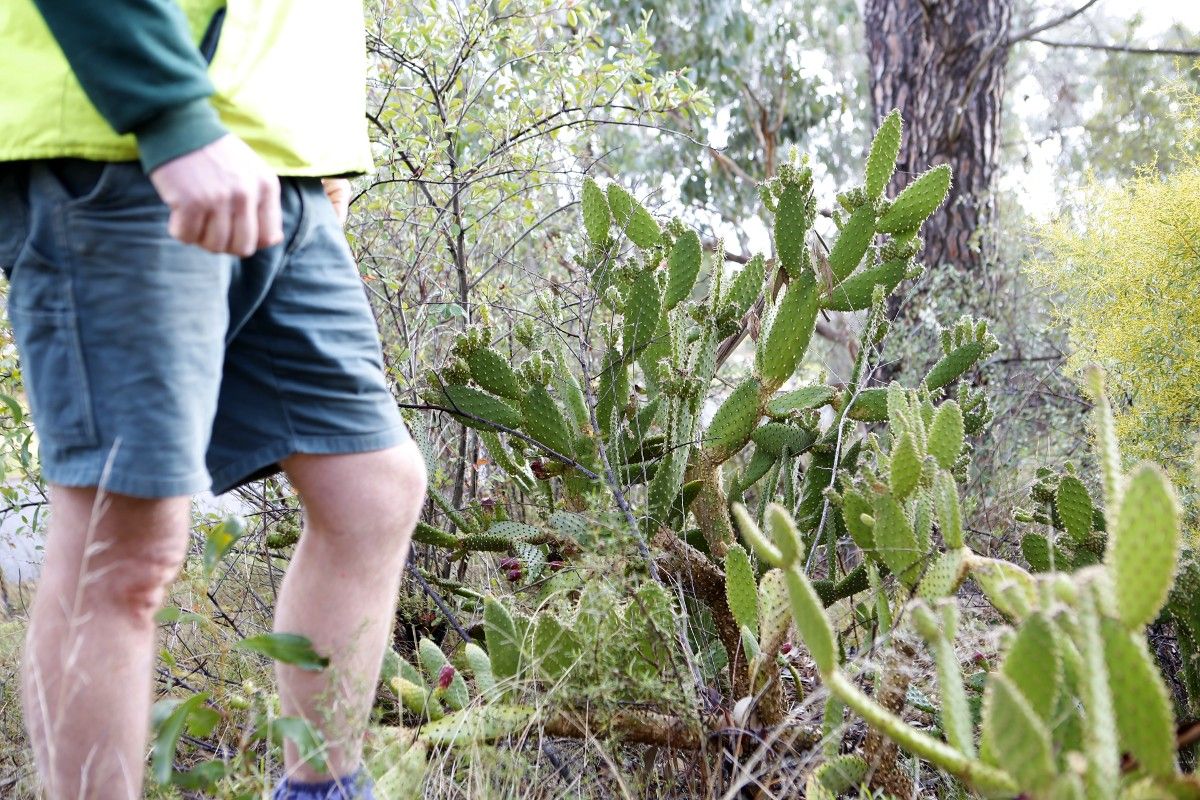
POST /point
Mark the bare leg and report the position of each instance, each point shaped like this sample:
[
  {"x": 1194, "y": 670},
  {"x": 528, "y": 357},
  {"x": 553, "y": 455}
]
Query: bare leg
[
  {"x": 340, "y": 589},
  {"x": 90, "y": 651}
]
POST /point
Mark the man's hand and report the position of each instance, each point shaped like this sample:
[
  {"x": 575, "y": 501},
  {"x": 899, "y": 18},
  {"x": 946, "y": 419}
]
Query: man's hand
[
  {"x": 338, "y": 192},
  {"x": 222, "y": 197}
]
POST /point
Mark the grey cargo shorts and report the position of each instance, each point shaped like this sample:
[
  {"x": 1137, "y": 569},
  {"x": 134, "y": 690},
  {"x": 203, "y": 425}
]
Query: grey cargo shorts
[{"x": 157, "y": 369}]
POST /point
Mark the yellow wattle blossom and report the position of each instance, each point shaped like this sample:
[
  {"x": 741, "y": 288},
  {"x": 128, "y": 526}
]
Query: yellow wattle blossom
[{"x": 1126, "y": 275}]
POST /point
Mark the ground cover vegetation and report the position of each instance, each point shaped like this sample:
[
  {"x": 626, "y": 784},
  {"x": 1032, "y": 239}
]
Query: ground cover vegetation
[{"x": 708, "y": 523}]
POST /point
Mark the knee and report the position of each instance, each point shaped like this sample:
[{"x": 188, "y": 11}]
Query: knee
[{"x": 401, "y": 485}]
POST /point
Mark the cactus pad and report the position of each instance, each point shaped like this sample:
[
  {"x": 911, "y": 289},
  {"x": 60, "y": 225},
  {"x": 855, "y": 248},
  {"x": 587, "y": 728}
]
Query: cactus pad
[
  {"x": 503, "y": 641},
  {"x": 799, "y": 400},
  {"x": 741, "y": 592},
  {"x": 1074, "y": 506},
  {"x": 895, "y": 541},
  {"x": 633, "y": 218},
  {"x": 746, "y": 287},
  {"x": 483, "y": 408},
  {"x": 791, "y": 226},
  {"x": 784, "y": 344},
  {"x": 596, "y": 218},
  {"x": 478, "y": 724},
  {"x": 457, "y": 696},
  {"x": 1144, "y": 548},
  {"x": 946, "y": 434},
  {"x": 904, "y": 472},
  {"x": 734, "y": 422},
  {"x": 852, "y": 243},
  {"x": 1015, "y": 736},
  {"x": 643, "y": 309},
  {"x": 682, "y": 269},
  {"x": 544, "y": 421},
  {"x": 774, "y": 611},
  {"x": 917, "y": 202},
  {"x": 857, "y": 292},
  {"x": 881, "y": 162}
]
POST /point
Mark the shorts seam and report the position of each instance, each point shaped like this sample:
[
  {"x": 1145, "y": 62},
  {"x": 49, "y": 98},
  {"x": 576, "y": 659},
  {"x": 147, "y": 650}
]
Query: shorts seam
[
  {"x": 127, "y": 484},
  {"x": 232, "y": 474}
]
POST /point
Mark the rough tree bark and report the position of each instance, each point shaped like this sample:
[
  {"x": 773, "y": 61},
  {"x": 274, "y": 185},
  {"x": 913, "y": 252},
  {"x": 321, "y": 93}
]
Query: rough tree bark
[{"x": 942, "y": 63}]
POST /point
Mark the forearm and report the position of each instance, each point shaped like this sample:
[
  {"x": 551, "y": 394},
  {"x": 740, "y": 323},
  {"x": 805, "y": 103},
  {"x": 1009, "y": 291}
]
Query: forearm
[{"x": 136, "y": 61}]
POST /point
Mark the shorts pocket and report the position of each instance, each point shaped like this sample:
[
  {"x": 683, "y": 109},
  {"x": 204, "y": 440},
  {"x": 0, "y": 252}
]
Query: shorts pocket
[{"x": 55, "y": 379}]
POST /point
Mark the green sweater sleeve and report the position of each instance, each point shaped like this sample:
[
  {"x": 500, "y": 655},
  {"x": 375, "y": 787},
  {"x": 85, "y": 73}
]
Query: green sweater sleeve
[{"x": 136, "y": 61}]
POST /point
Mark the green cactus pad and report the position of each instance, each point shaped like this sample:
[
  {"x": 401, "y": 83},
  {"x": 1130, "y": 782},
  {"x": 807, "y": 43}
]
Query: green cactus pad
[
  {"x": 945, "y": 502},
  {"x": 1035, "y": 549},
  {"x": 483, "y": 408},
  {"x": 577, "y": 526},
  {"x": 456, "y": 695},
  {"x": 1074, "y": 507},
  {"x": 1011, "y": 590},
  {"x": 838, "y": 775},
  {"x": 556, "y": 648},
  {"x": 1145, "y": 720},
  {"x": 956, "y": 710},
  {"x": 953, "y": 364},
  {"x": 781, "y": 529},
  {"x": 782, "y": 346},
  {"x": 881, "y": 162},
  {"x": 809, "y": 614},
  {"x": 858, "y": 291},
  {"x": 1016, "y": 736},
  {"x": 1144, "y": 549},
  {"x": 870, "y": 405},
  {"x": 791, "y": 227},
  {"x": 917, "y": 202},
  {"x": 481, "y": 670},
  {"x": 774, "y": 611},
  {"x": 478, "y": 724},
  {"x": 1034, "y": 666},
  {"x": 643, "y": 309},
  {"x": 613, "y": 392},
  {"x": 946, "y": 434},
  {"x": 759, "y": 543},
  {"x": 503, "y": 641},
  {"x": 773, "y": 437},
  {"x": 427, "y": 534},
  {"x": 789, "y": 403},
  {"x": 741, "y": 592},
  {"x": 746, "y": 287},
  {"x": 852, "y": 243},
  {"x": 734, "y": 422},
  {"x": 895, "y": 542},
  {"x": 596, "y": 218},
  {"x": 904, "y": 472},
  {"x": 492, "y": 371},
  {"x": 544, "y": 421},
  {"x": 631, "y": 217},
  {"x": 682, "y": 268},
  {"x": 760, "y": 464},
  {"x": 944, "y": 575},
  {"x": 416, "y": 698},
  {"x": 854, "y": 505}
]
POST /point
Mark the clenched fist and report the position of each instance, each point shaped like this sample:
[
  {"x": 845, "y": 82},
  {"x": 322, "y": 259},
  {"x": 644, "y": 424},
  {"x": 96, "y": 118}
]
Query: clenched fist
[{"x": 222, "y": 197}]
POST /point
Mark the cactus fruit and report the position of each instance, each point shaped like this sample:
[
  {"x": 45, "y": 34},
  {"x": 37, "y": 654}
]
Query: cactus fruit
[
  {"x": 917, "y": 202},
  {"x": 782, "y": 346},
  {"x": 631, "y": 217},
  {"x": 881, "y": 162},
  {"x": 852, "y": 243},
  {"x": 596, "y": 217},
  {"x": 434, "y": 661}
]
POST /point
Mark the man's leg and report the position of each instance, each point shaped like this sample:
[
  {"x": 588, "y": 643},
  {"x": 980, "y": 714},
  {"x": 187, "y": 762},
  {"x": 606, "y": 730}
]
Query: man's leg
[
  {"x": 90, "y": 651},
  {"x": 340, "y": 589}
]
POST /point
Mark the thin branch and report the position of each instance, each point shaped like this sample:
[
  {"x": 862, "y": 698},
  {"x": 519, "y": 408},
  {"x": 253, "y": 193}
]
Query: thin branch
[
  {"x": 1029, "y": 33},
  {"x": 1122, "y": 48}
]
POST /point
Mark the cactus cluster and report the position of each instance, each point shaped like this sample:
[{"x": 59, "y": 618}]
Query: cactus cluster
[{"x": 1077, "y": 689}]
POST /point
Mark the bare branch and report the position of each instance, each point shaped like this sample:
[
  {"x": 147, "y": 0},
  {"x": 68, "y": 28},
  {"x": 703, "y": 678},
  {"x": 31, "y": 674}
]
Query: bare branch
[
  {"x": 1122, "y": 48},
  {"x": 1029, "y": 33}
]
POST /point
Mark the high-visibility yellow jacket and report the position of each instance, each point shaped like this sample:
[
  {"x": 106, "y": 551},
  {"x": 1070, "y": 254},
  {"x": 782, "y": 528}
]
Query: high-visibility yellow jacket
[{"x": 115, "y": 80}]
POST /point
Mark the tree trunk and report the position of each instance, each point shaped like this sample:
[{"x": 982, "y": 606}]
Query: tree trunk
[{"x": 942, "y": 62}]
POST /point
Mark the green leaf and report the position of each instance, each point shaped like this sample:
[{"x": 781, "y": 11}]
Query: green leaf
[
  {"x": 288, "y": 648},
  {"x": 170, "y": 717},
  {"x": 310, "y": 744},
  {"x": 220, "y": 539}
]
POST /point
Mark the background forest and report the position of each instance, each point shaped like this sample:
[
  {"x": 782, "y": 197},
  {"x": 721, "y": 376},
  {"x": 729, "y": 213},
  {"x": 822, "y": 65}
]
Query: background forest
[{"x": 788, "y": 375}]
